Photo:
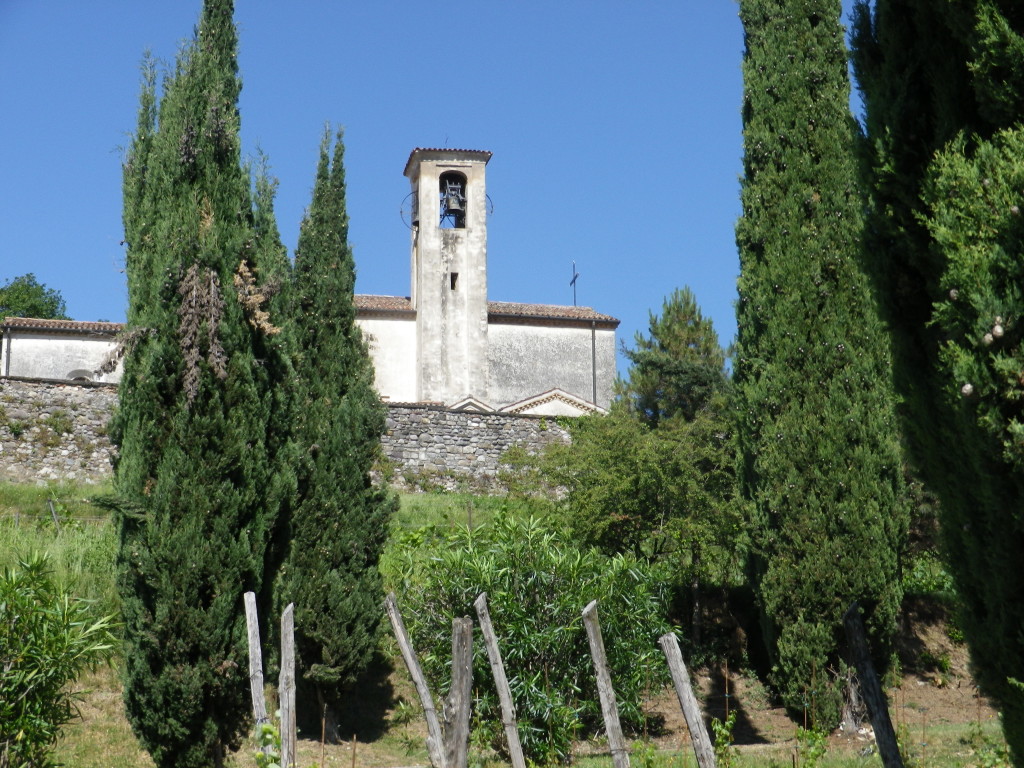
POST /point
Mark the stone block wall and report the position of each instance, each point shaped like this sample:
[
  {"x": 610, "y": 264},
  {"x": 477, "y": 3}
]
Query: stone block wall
[
  {"x": 430, "y": 446},
  {"x": 51, "y": 430}
]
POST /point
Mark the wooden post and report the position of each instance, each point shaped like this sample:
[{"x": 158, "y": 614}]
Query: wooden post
[
  {"x": 456, "y": 706},
  {"x": 609, "y": 707},
  {"x": 289, "y": 736},
  {"x": 702, "y": 747},
  {"x": 259, "y": 702},
  {"x": 435, "y": 743},
  {"x": 508, "y": 709},
  {"x": 885, "y": 737},
  {"x": 53, "y": 514}
]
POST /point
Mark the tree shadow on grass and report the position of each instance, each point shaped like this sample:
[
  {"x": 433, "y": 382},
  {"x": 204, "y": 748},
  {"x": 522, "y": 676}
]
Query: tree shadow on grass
[
  {"x": 362, "y": 710},
  {"x": 722, "y": 696}
]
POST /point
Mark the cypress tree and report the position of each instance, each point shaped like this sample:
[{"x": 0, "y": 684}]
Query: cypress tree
[
  {"x": 820, "y": 458},
  {"x": 943, "y": 148},
  {"x": 340, "y": 520},
  {"x": 196, "y": 475}
]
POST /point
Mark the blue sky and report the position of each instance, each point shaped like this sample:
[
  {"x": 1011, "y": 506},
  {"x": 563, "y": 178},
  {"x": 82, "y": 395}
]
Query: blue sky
[{"x": 615, "y": 129}]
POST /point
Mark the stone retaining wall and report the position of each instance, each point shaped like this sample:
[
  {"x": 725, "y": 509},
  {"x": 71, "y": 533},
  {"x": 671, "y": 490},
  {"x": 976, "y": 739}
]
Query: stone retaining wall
[
  {"x": 52, "y": 430},
  {"x": 430, "y": 446}
]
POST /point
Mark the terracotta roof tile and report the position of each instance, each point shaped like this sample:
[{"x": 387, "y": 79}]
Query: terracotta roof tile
[
  {"x": 76, "y": 326},
  {"x": 500, "y": 308},
  {"x": 552, "y": 311},
  {"x": 383, "y": 303},
  {"x": 363, "y": 302},
  {"x": 482, "y": 153}
]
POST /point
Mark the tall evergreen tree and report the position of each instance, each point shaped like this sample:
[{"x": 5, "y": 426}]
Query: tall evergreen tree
[
  {"x": 678, "y": 368},
  {"x": 196, "y": 473},
  {"x": 340, "y": 519},
  {"x": 817, "y": 428},
  {"x": 944, "y": 101}
]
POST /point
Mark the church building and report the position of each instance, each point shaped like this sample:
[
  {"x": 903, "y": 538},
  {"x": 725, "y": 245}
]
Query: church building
[{"x": 445, "y": 343}]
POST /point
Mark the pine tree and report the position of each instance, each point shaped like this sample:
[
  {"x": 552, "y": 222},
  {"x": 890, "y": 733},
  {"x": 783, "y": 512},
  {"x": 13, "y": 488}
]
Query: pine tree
[
  {"x": 340, "y": 519},
  {"x": 197, "y": 474},
  {"x": 944, "y": 99},
  {"x": 817, "y": 427},
  {"x": 678, "y": 368}
]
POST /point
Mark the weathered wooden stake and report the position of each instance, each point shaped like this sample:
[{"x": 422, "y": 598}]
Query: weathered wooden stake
[
  {"x": 702, "y": 747},
  {"x": 435, "y": 743},
  {"x": 885, "y": 737},
  {"x": 289, "y": 736},
  {"x": 456, "y": 706},
  {"x": 259, "y": 702},
  {"x": 508, "y": 709},
  {"x": 609, "y": 707}
]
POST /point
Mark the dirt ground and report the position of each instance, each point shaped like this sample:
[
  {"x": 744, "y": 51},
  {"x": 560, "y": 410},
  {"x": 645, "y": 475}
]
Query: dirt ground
[
  {"x": 936, "y": 690},
  {"x": 936, "y": 696}
]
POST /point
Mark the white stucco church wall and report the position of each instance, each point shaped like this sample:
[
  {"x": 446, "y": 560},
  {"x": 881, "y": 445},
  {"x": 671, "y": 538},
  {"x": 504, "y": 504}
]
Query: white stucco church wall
[
  {"x": 57, "y": 349},
  {"x": 575, "y": 355},
  {"x": 446, "y": 344}
]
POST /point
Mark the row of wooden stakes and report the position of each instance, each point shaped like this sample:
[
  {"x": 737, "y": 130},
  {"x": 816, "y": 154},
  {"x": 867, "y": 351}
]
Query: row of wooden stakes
[{"x": 449, "y": 748}]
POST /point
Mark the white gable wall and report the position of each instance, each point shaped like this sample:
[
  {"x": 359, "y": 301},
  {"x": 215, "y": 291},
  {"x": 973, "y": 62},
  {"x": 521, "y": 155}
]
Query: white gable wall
[
  {"x": 526, "y": 359},
  {"x": 32, "y": 354}
]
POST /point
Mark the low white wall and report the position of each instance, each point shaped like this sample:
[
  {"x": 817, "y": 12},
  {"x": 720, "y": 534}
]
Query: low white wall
[{"x": 56, "y": 356}]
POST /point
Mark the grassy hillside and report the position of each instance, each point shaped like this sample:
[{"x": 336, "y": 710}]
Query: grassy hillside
[{"x": 942, "y": 720}]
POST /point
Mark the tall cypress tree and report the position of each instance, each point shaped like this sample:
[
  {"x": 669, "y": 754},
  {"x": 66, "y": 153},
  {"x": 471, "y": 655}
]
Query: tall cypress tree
[
  {"x": 944, "y": 100},
  {"x": 196, "y": 474},
  {"x": 820, "y": 455},
  {"x": 340, "y": 520}
]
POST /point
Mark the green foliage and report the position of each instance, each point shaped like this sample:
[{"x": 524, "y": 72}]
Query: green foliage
[
  {"x": 268, "y": 746},
  {"x": 725, "y": 753},
  {"x": 927, "y": 576},
  {"x": 59, "y": 421},
  {"x": 80, "y": 555},
  {"x": 667, "y": 493},
  {"x": 537, "y": 585},
  {"x": 679, "y": 368},
  {"x": 985, "y": 752},
  {"x": 47, "y": 638},
  {"x": 811, "y": 746},
  {"x": 24, "y": 296},
  {"x": 944, "y": 99},
  {"x": 817, "y": 427},
  {"x": 199, "y": 476},
  {"x": 656, "y": 477},
  {"x": 339, "y": 523}
]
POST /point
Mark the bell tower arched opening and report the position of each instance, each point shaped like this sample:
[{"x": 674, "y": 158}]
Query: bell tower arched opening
[{"x": 452, "y": 189}]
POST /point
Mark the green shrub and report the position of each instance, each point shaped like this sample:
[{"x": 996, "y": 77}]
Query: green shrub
[
  {"x": 537, "y": 584},
  {"x": 59, "y": 421},
  {"x": 47, "y": 637}
]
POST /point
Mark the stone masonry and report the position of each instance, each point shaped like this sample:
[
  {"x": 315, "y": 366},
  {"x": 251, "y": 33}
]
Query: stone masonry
[{"x": 53, "y": 430}]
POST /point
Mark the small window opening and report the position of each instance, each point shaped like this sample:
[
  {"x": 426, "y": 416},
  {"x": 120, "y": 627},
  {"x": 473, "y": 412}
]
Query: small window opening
[
  {"x": 453, "y": 200},
  {"x": 454, "y": 280}
]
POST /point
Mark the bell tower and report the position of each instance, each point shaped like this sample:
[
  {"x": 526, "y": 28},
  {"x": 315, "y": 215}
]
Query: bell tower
[{"x": 449, "y": 272}]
